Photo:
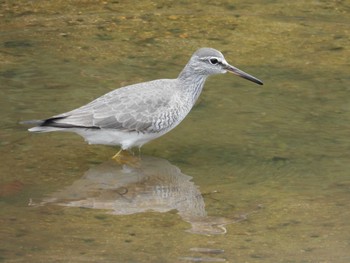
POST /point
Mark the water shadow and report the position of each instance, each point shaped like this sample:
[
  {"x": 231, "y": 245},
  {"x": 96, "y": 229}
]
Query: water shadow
[{"x": 154, "y": 185}]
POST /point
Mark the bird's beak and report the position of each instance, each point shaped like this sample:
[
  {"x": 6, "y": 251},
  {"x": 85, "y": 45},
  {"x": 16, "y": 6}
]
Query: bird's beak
[{"x": 242, "y": 74}]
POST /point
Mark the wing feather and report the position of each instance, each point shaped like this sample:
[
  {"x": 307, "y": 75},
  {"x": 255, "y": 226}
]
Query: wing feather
[{"x": 132, "y": 108}]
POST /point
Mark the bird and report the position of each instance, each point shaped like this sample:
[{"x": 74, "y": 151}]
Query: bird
[{"x": 133, "y": 115}]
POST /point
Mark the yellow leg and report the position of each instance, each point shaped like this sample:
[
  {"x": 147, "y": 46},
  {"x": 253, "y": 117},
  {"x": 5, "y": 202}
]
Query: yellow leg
[
  {"x": 124, "y": 157},
  {"x": 117, "y": 154}
]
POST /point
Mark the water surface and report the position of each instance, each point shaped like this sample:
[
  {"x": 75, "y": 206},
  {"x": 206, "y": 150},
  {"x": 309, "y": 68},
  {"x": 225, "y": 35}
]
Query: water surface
[{"x": 276, "y": 156}]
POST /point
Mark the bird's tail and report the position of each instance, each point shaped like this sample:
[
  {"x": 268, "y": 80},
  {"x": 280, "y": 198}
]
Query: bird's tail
[
  {"x": 38, "y": 126},
  {"x": 53, "y": 124}
]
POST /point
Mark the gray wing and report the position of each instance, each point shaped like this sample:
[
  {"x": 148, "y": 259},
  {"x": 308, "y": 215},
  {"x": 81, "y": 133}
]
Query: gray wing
[{"x": 137, "y": 107}]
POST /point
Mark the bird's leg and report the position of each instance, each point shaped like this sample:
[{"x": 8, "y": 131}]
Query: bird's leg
[
  {"x": 140, "y": 152},
  {"x": 116, "y": 156},
  {"x": 124, "y": 157}
]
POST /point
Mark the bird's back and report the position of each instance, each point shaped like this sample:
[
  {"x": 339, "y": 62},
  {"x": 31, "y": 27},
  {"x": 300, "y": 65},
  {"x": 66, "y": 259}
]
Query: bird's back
[{"x": 145, "y": 107}]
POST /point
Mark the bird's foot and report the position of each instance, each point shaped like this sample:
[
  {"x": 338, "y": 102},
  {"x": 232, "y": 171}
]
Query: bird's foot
[{"x": 125, "y": 157}]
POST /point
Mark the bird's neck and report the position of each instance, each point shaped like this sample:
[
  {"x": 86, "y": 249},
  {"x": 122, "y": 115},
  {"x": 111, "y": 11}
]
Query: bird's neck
[{"x": 191, "y": 82}]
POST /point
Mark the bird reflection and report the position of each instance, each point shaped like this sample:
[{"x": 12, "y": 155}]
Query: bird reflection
[{"x": 154, "y": 185}]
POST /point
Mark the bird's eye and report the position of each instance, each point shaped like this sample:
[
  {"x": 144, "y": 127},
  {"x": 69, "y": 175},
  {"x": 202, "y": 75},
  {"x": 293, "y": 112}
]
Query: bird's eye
[{"x": 214, "y": 61}]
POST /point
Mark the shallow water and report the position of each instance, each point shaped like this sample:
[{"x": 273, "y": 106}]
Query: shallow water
[{"x": 264, "y": 171}]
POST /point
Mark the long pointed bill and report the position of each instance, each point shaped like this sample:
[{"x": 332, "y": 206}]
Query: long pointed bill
[{"x": 242, "y": 74}]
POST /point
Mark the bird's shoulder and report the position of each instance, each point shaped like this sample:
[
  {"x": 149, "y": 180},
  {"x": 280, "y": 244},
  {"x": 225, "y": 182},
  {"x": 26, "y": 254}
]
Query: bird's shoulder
[{"x": 150, "y": 89}]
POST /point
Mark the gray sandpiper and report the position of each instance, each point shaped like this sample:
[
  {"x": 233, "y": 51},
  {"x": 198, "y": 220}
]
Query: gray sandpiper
[{"x": 136, "y": 114}]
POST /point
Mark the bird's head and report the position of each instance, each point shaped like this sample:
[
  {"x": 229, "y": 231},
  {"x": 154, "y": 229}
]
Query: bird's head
[{"x": 209, "y": 61}]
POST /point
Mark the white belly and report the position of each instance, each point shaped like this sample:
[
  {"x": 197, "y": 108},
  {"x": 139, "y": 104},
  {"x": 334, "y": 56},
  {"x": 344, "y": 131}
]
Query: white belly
[{"x": 114, "y": 137}]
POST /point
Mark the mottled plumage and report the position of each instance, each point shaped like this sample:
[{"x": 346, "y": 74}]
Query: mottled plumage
[{"x": 133, "y": 115}]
